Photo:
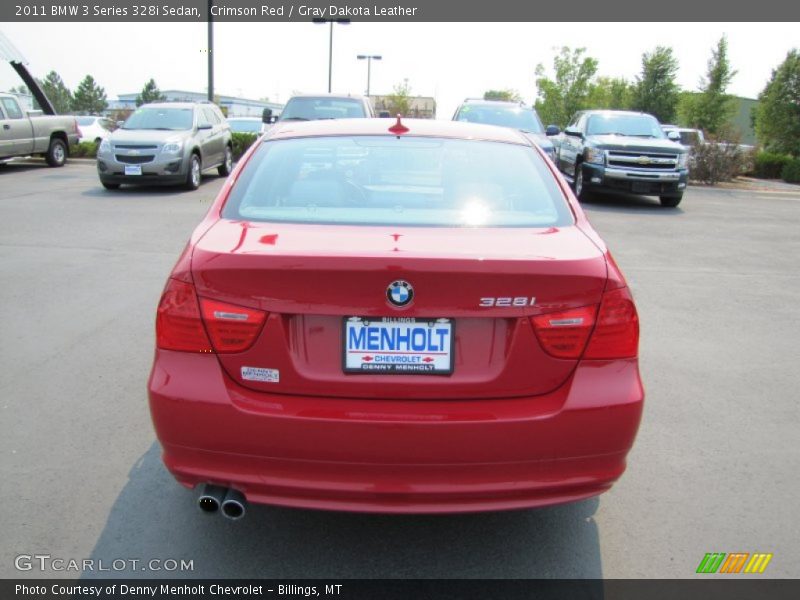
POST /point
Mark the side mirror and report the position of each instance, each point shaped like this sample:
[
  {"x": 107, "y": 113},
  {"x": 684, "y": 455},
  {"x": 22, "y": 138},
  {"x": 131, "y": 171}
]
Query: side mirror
[
  {"x": 204, "y": 126},
  {"x": 573, "y": 132},
  {"x": 266, "y": 115},
  {"x": 674, "y": 136},
  {"x": 552, "y": 130}
]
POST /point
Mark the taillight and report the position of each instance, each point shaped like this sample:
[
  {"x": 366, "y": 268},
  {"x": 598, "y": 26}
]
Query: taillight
[
  {"x": 232, "y": 328},
  {"x": 178, "y": 322},
  {"x": 564, "y": 334},
  {"x": 616, "y": 334}
]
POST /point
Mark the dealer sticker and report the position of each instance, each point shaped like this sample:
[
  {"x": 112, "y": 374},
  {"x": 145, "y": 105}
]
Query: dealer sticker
[{"x": 259, "y": 374}]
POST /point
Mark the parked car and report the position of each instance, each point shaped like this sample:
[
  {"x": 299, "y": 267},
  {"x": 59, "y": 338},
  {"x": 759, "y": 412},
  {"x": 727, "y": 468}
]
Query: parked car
[
  {"x": 509, "y": 114},
  {"x": 686, "y": 136},
  {"x": 95, "y": 129},
  {"x": 410, "y": 316},
  {"x": 312, "y": 107},
  {"x": 246, "y": 125},
  {"x": 166, "y": 142},
  {"x": 27, "y": 133},
  {"x": 623, "y": 151}
]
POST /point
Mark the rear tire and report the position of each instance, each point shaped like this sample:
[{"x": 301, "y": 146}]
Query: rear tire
[
  {"x": 57, "y": 153},
  {"x": 193, "y": 174},
  {"x": 670, "y": 201},
  {"x": 110, "y": 186},
  {"x": 227, "y": 163}
]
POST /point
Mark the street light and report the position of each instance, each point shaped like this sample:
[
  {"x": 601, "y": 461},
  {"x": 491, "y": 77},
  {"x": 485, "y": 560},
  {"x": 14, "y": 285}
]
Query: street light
[
  {"x": 321, "y": 21},
  {"x": 369, "y": 58}
]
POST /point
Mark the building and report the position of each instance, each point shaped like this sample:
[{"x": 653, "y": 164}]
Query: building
[
  {"x": 420, "y": 107},
  {"x": 232, "y": 106}
]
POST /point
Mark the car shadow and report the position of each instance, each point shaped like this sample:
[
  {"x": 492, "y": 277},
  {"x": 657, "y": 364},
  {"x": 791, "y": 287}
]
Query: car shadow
[
  {"x": 166, "y": 190},
  {"x": 155, "y": 518},
  {"x": 621, "y": 203}
]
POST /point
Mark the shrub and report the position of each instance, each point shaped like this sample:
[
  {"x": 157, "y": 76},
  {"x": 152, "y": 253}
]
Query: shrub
[
  {"x": 241, "y": 142},
  {"x": 83, "y": 150},
  {"x": 769, "y": 165},
  {"x": 713, "y": 162},
  {"x": 791, "y": 171}
]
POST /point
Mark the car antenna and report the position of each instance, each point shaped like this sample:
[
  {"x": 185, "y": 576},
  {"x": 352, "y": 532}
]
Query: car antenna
[{"x": 398, "y": 127}]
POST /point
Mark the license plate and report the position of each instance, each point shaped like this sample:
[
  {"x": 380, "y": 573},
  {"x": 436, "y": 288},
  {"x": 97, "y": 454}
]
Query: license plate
[
  {"x": 133, "y": 169},
  {"x": 398, "y": 346},
  {"x": 640, "y": 187}
]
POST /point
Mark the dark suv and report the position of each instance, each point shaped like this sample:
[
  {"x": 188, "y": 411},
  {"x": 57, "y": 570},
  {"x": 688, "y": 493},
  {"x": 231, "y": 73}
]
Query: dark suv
[
  {"x": 509, "y": 114},
  {"x": 623, "y": 151}
]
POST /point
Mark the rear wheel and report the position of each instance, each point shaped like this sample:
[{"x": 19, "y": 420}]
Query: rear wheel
[
  {"x": 227, "y": 163},
  {"x": 57, "y": 153},
  {"x": 671, "y": 201},
  {"x": 193, "y": 175}
]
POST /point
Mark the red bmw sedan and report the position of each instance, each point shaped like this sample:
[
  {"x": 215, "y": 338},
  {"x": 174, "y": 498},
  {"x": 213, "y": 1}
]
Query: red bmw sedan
[{"x": 407, "y": 317}]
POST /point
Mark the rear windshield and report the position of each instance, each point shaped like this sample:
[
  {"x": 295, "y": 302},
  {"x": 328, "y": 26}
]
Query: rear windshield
[
  {"x": 517, "y": 117},
  {"x": 311, "y": 109},
  {"x": 245, "y": 126},
  {"x": 382, "y": 180},
  {"x": 161, "y": 118}
]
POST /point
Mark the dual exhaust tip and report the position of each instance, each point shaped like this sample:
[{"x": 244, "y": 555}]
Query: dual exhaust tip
[{"x": 216, "y": 498}]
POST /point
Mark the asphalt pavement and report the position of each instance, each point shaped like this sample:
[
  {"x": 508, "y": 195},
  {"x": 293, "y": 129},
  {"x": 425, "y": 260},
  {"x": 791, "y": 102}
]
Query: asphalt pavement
[{"x": 714, "y": 469}]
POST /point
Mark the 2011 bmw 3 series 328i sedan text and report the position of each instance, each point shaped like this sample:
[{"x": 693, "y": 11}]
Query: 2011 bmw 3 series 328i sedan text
[{"x": 404, "y": 317}]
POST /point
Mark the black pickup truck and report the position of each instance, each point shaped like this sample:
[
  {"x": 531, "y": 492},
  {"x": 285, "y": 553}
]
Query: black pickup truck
[{"x": 622, "y": 151}]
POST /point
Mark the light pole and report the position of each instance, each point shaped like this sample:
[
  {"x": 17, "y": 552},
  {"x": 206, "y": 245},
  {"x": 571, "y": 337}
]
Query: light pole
[
  {"x": 320, "y": 21},
  {"x": 210, "y": 53},
  {"x": 369, "y": 58}
]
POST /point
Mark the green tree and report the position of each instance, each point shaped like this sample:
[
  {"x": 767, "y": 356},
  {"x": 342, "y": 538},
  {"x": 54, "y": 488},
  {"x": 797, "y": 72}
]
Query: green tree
[
  {"x": 89, "y": 98},
  {"x": 506, "y": 95},
  {"x": 399, "y": 101},
  {"x": 778, "y": 113},
  {"x": 57, "y": 92},
  {"x": 20, "y": 89},
  {"x": 150, "y": 93},
  {"x": 567, "y": 92},
  {"x": 711, "y": 109},
  {"x": 655, "y": 91},
  {"x": 613, "y": 93}
]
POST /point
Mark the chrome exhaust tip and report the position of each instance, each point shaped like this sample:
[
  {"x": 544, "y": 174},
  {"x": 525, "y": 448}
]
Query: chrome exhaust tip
[
  {"x": 211, "y": 498},
  {"x": 234, "y": 505}
]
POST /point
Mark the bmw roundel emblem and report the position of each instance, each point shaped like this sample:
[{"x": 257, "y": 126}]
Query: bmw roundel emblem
[{"x": 400, "y": 293}]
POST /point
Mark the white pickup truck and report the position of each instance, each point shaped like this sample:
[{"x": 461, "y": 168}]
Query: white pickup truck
[{"x": 23, "y": 134}]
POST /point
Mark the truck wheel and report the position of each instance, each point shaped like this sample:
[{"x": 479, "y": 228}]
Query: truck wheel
[
  {"x": 57, "y": 153},
  {"x": 578, "y": 179},
  {"x": 671, "y": 201},
  {"x": 193, "y": 174},
  {"x": 227, "y": 163}
]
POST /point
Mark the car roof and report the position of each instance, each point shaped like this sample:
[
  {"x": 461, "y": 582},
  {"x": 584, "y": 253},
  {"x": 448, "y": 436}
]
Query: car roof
[
  {"x": 416, "y": 128},
  {"x": 175, "y": 104},
  {"x": 330, "y": 96},
  {"x": 616, "y": 112}
]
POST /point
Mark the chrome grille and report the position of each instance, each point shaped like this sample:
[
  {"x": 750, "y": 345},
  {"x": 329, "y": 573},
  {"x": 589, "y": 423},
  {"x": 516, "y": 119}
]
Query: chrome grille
[{"x": 642, "y": 160}]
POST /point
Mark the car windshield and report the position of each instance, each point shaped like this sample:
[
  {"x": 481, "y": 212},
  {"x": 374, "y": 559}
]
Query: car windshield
[
  {"x": 517, "y": 117},
  {"x": 245, "y": 125},
  {"x": 311, "y": 109},
  {"x": 631, "y": 125},
  {"x": 380, "y": 180},
  {"x": 173, "y": 119},
  {"x": 86, "y": 120}
]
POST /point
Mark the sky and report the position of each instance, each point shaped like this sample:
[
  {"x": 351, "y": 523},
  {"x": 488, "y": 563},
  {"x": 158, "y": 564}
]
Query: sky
[{"x": 449, "y": 61}]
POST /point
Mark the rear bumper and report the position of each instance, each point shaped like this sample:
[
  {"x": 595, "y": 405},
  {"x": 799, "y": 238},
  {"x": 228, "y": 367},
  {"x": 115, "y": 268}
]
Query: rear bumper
[{"x": 396, "y": 456}]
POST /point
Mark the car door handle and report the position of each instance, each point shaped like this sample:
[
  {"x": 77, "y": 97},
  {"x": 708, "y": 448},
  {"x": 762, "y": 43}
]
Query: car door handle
[{"x": 6, "y": 126}]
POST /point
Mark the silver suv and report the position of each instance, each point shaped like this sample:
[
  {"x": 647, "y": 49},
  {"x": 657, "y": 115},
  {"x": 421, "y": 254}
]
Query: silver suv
[{"x": 166, "y": 142}]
